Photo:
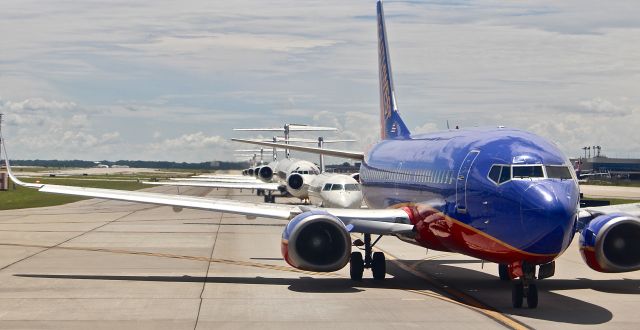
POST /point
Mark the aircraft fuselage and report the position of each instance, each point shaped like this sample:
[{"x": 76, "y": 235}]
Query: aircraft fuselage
[{"x": 528, "y": 214}]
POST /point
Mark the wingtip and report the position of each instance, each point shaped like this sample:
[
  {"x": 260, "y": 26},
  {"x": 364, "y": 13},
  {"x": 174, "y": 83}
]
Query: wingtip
[{"x": 10, "y": 173}]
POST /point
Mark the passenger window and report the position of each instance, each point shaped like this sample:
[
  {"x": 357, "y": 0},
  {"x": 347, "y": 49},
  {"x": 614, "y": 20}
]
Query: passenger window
[
  {"x": 327, "y": 187},
  {"x": 494, "y": 173},
  {"x": 337, "y": 187},
  {"x": 505, "y": 174}
]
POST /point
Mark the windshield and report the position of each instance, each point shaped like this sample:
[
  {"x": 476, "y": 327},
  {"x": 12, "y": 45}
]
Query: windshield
[
  {"x": 337, "y": 187},
  {"x": 352, "y": 187},
  {"x": 558, "y": 172},
  {"x": 523, "y": 172}
]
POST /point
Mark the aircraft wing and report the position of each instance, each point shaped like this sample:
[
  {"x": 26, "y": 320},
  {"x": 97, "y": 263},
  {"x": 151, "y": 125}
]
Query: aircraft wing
[
  {"x": 369, "y": 221},
  {"x": 588, "y": 213},
  {"x": 203, "y": 179},
  {"x": 212, "y": 184},
  {"x": 313, "y": 150},
  {"x": 381, "y": 222}
]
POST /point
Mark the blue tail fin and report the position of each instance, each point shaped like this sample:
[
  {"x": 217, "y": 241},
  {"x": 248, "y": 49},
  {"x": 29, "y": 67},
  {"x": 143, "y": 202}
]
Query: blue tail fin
[{"x": 391, "y": 125}]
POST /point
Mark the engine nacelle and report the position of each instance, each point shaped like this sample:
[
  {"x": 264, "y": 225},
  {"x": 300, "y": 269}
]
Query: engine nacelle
[
  {"x": 265, "y": 173},
  {"x": 250, "y": 171},
  {"x": 256, "y": 171},
  {"x": 611, "y": 243},
  {"x": 295, "y": 181},
  {"x": 316, "y": 241}
]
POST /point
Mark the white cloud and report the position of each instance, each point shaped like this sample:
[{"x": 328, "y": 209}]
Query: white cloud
[{"x": 118, "y": 83}]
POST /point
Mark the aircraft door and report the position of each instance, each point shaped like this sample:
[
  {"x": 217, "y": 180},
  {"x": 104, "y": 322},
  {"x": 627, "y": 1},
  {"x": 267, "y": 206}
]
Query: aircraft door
[{"x": 462, "y": 180}]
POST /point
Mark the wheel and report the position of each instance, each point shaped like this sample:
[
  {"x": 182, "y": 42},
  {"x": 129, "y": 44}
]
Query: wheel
[
  {"x": 517, "y": 293},
  {"x": 356, "y": 266},
  {"x": 378, "y": 266},
  {"x": 267, "y": 199},
  {"x": 532, "y": 296},
  {"x": 503, "y": 272}
]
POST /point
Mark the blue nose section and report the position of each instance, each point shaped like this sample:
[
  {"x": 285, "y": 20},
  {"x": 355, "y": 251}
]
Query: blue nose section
[{"x": 548, "y": 214}]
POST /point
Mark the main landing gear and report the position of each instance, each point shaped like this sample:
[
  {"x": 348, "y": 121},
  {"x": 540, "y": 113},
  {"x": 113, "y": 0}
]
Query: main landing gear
[
  {"x": 373, "y": 260},
  {"x": 269, "y": 197}
]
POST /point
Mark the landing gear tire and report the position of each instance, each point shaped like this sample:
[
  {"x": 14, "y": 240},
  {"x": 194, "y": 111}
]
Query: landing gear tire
[
  {"x": 532, "y": 296},
  {"x": 356, "y": 266},
  {"x": 503, "y": 272},
  {"x": 378, "y": 266},
  {"x": 517, "y": 294}
]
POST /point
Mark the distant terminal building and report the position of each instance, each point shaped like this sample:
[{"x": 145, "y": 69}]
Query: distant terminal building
[
  {"x": 602, "y": 167},
  {"x": 346, "y": 168}
]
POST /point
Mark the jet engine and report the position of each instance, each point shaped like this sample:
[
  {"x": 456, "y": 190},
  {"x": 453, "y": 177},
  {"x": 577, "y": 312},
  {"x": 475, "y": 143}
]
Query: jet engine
[
  {"x": 297, "y": 185},
  {"x": 611, "y": 243},
  {"x": 250, "y": 171},
  {"x": 316, "y": 241},
  {"x": 265, "y": 173},
  {"x": 295, "y": 181},
  {"x": 256, "y": 171}
]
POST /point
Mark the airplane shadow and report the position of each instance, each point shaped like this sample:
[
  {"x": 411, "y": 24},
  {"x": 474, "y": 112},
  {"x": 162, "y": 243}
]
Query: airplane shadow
[
  {"x": 298, "y": 284},
  {"x": 480, "y": 285},
  {"x": 554, "y": 306}
]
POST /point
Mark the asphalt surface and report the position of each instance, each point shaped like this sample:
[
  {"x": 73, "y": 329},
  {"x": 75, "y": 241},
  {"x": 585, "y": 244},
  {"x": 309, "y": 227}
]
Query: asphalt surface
[{"x": 104, "y": 264}]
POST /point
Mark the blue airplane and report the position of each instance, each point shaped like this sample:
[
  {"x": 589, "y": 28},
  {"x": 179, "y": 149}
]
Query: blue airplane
[{"x": 500, "y": 195}]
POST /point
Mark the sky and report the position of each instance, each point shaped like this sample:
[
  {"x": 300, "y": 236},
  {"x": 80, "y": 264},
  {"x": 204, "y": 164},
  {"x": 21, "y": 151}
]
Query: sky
[{"x": 168, "y": 80}]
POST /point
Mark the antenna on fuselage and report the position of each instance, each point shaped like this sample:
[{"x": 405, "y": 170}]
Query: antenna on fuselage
[{"x": 448, "y": 124}]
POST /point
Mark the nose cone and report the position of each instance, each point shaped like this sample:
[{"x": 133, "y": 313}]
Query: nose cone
[
  {"x": 343, "y": 199},
  {"x": 548, "y": 214}
]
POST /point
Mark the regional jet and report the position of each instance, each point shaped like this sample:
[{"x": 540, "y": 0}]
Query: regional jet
[{"x": 501, "y": 195}]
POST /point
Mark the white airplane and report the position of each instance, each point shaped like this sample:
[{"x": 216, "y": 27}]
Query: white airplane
[
  {"x": 500, "y": 195},
  {"x": 297, "y": 177}
]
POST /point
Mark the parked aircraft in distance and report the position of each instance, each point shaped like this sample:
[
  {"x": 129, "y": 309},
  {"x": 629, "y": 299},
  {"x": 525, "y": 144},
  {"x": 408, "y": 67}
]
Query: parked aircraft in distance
[{"x": 501, "y": 195}]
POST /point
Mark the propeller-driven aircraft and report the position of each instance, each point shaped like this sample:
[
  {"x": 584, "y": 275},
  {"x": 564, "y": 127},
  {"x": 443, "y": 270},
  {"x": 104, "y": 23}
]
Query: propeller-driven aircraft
[{"x": 500, "y": 195}]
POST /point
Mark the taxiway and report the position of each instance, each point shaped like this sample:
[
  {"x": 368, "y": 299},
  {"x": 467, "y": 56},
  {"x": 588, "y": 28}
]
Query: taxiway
[{"x": 104, "y": 264}]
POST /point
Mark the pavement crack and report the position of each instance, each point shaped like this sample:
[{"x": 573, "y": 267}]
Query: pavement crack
[
  {"x": 72, "y": 238},
  {"x": 204, "y": 282}
]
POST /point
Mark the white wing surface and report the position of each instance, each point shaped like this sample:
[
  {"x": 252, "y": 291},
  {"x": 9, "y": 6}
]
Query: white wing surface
[
  {"x": 213, "y": 184},
  {"x": 313, "y": 150},
  {"x": 381, "y": 222}
]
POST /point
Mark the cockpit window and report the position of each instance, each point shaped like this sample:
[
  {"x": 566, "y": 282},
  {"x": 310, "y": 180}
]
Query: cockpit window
[
  {"x": 351, "y": 187},
  {"x": 327, "y": 187},
  {"x": 494, "y": 173},
  {"x": 558, "y": 172},
  {"x": 505, "y": 174},
  {"x": 525, "y": 172},
  {"x": 337, "y": 187}
]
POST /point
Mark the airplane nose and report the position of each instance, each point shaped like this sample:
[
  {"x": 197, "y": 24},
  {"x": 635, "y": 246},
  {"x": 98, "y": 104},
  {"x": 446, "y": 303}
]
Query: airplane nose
[{"x": 548, "y": 214}]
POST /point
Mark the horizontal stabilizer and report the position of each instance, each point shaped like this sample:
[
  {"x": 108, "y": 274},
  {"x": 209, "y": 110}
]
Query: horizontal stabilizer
[
  {"x": 313, "y": 150},
  {"x": 292, "y": 128}
]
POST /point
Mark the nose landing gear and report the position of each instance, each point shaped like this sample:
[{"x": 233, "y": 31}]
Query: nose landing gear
[
  {"x": 374, "y": 260},
  {"x": 524, "y": 286}
]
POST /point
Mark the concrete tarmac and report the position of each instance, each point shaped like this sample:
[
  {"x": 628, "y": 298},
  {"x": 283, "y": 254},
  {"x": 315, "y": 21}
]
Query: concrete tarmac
[
  {"x": 104, "y": 264},
  {"x": 620, "y": 192}
]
